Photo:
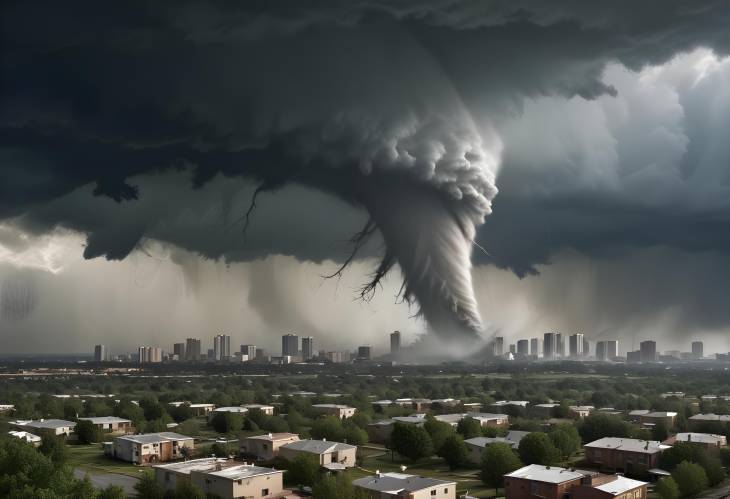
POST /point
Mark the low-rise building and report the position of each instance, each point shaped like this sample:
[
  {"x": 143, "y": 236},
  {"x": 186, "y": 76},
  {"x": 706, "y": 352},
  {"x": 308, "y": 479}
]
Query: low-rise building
[
  {"x": 242, "y": 481},
  {"x": 234, "y": 409},
  {"x": 710, "y": 442},
  {"x": 477, "y": 445},
  {"x": 627, "y": 455},
  {"x": 266, "y": 409},
  {"x": 543, "y": 411},
  {"x": 169, "y": 475},
  {"x": 110, "y": 424},
  {"x": 150, "y": 447},
  {"x": 704, "y": 421},
  {"x": 54, "y": 426},
  {"x": 581, "y": 411},
  {"x": 654, "y": 417},
  {"x": 400, "y": 485},
  {"x": 337, "y": 410},
  {"x": 5, "y": 408},
  {"x": 636, "y": 414},
  {"x": 328, "y": 453},
  {"x": 551, "y": 482},
  {"x": 380, "y": 431},
  {"x": 515, "y": 405},
  {"x": 27, "y": 437},
  {"x": 265, "y": 447}
]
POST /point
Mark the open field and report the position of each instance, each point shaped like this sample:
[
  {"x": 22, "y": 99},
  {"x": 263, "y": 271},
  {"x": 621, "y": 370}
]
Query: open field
[{"x": 92, "y": 458}]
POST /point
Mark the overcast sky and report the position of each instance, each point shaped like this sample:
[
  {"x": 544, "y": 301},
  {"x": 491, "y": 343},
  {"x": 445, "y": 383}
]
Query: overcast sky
[{"x": 518, "y": 167}]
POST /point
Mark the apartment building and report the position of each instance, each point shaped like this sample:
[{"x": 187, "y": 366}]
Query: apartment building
[{"x": 265, "y": 447}]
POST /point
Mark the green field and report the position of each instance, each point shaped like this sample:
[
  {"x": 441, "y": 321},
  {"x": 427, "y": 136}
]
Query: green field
[{"x": 92, "y": 458}]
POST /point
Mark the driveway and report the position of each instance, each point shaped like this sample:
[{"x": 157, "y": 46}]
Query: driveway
[{"x": 101, "y": 480}]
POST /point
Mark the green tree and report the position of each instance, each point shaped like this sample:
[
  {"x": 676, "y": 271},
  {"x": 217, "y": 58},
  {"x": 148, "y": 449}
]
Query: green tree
[
  {"x": 660, "y": 431},
  {"x": 667, "y": 488},
  {"x": 679, "y": 452},
  {"x": 498, "y": 459},
  {"x": 566, "y": 439},
  {"x": 152, "y": 408},
  {"x": 189, "y": 427},
  {"x": 328, "y": 427},
  {"x": 148, "y": 488},
  {"x": 691, "y": 478},
  {"x": 715, "y": 471},
  {"x": 87, "y": 432},
  {"x": 180, "y": 413},
  {"x": 337, "y": 487},
  {"x": 438, "y": 431},
  {"x": 454, "y": 451},
  {"x": 469, "y": 427},
  {"x": 599, "y": 425},
  {"x": 220, "y": 449},
  {"x": 227, "y": 422},
  {"x": 54, "y": 447},
  {"x": 112, "y": 492},
  {"x": 411, "y": 441},
  {"x": 537, "y": 448},
  {"x": 186, "y": 490},
  {"x": 303, "y": 470},
  {"x": 355, "y": 435}
]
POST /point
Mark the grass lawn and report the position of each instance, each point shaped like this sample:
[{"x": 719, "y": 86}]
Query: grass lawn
[
  {"x": 92, "y": 458},
  {"x": 466, "y": 479}
]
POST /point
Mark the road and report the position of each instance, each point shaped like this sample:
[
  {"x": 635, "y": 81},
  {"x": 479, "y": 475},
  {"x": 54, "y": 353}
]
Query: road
[
  {"x": 100, "y": 480},
  {"x": 719, "y": 493}
]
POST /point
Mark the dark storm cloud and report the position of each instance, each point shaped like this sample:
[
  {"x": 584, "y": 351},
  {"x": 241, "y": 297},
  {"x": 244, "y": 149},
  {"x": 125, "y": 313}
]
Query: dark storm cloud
[{"x": 353, "y": 99}]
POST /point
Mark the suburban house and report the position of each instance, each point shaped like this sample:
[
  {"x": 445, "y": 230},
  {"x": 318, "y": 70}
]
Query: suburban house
[
  {"x": 652, "y": 418},
  {"x": 222, "y": 478},
  {"x": 329, "y": 453},
  {"x": 400, "y": 485},
  {"x": 380, "y": 431},
  {"x": 711, "y": 443},
  {"x": 110, "y": 424},
  {"x": 477, "y": 445},
  {"x": 265, "y": 447},
  {"x": 55, "y": 426},
  {"x": 28, "y": 437},
  {"x": 581, "y": 411},
  {"x": 701, "y": 421},
  {"x": 626, "y": 455},
  {"x": 543, "y": 411},
  {"x": 340, "y": 411},
  {"x": 551, "y": 482},
  {"x": 149, "y": 447},
  {"x": 266, "y": 409},
  {"x": 234, "y": 409},
  {"x": 6, "y": 408}
]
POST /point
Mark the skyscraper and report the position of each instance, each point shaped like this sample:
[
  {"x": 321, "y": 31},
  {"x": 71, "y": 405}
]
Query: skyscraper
[
  {"x": 249, "y": 350},
  {"x": 575, "y": 345},
  {"x": 192, "y": 349},
  {"x": 549, "y": 345},
  {"x": 100, "y": 353},
  {"x": 698, "y": 350},
  {"x": 535, "y": 347},
  {"x": 179, "y": 350},
  {"x": 394, "y": 342},
  {"x": 498, "y": 346},
  {"x": 611, "y": 349},
  {"x": 647, "y": 351},
  {"x": 149, "y": 355},
  {"x": 523, "y": 348},
  {"x": 601, "y": 351},
  {"x": 363, "y": 352},
  {"x": 559, "y": 345},
  {"x": 290, "y": 345},
  {"x": 586, "y": 347},
  {"x": 307, "y": 347},
  {"x": 221, "y": 347}
]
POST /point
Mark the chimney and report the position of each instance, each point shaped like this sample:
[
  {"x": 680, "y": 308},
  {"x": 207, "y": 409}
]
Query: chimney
[{"x": 377, "y": 473}]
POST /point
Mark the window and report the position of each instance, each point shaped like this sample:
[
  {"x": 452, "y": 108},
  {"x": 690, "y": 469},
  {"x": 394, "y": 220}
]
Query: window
[
  {"x": 433, "y": 492},
  {"x": 446, "y": 491},
  {"x": 264, "y": 492}
]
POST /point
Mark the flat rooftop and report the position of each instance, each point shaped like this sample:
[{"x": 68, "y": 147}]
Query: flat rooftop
[{"x": 398, "y": 482}]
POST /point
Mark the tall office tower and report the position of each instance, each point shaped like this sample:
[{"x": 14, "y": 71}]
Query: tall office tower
[
  {"x": 549, "y": 345},
  {"x": 535, "y": 347},
  {"x": 143, "y": 355},
  {"x": 602, "y": 351},
  {"x": 575, "y": 345},
  {"x": 395, "y": 342},
  {"x": 221, "y": 347},
  {"x": 523, "y": 347},
  {"x": 155, "y": 354},
  {"x": 338, "y": 357},
  {"x": 100, "y": 353},
  {"x": 307, "y": 347},
  {"x": 363, "y": 352},
  {"x": 249, "y": 350},
  {"x": 498, "y": 346},
  {"x": 192, "y": 349},
  {"x": 586, "y": 347},
  {"x": 149, "y": 355},
  {"x": 698, "y": 350},
  {"x": 179, "y": 350},
  {"x": 290, "y": 345},
  {"x": 512, "y": 348},
  {"x": 611, "y": 349},
  {"x": 559, "y": 345},
  {"x": 647, "y": 351}
]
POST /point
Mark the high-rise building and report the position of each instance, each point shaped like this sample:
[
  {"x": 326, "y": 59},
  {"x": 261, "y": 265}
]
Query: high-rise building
[
  {"x": 149, "y": 355},
  {"x": 512, "y": 348},
  {"x": 559, "y": 345},
  {"x": 575, "y": 345},
  {"x": 307, "y": 347},
  {"x": 535, "y": 347},
  {"x": 101, "y": 353},
  {"x": 648, "y": 351},
  {"x": 698, "y": 350},
  {"x": 586, "y": 347},
  {"x": 363, "y": 352},
  {"x": 290, "y": 345},
  {"x": 249, "y": 350},
  {"x": 338, "y": 357},
  {"x": 395, "y": 342},
  {"x": 221, "y": 347},
  {"x": 549, "y": 345},
  {"x": 523, "y": 348},
  {"x": 498, "y": 346},
  {"x": 192, "y": 349},
  {"x": 179, "y": 350},
  {"x": 633, "y": 357},
  {"x": 611, "y": 349},
  {"x": 601, "y": 351}
]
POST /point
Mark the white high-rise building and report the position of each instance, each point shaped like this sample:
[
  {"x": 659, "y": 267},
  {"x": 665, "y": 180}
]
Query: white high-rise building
[
  {"x": 101, "y": 353},
  {"x": 222, "y": 347}
]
